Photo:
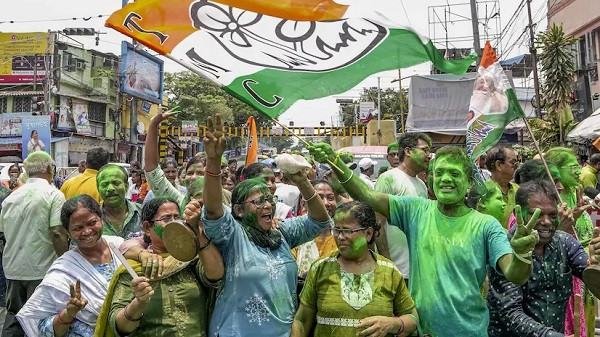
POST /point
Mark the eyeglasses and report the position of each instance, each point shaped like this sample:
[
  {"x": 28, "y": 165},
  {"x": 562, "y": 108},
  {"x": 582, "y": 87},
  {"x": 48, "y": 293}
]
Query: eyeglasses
[
  {"x": 168, "y": 218},
  {"x": 260, "y": 202},
  {"x": 573, "y": 168},
  {"x": 345, "y": 232}
]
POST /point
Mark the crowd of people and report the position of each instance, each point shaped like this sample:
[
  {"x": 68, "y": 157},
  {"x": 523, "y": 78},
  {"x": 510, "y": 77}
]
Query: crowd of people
[{"x": 319, "y": 251}]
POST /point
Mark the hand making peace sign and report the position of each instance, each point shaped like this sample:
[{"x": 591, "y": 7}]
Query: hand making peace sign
[
  {"x": 525, "y": 238},
  {"x": 214, "y": 140},
  {"x": 76, "y": 302}
]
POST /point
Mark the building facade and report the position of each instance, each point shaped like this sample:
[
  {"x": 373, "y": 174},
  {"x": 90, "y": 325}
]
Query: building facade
[{"x": 581, "y": 18}]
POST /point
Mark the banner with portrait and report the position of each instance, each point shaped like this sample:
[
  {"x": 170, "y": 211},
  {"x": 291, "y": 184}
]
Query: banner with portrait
[{"x": 36, "y": 134}]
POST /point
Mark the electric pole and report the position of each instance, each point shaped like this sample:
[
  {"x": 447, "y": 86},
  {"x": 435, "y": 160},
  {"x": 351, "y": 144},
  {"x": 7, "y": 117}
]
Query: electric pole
[
  {"x": 475, "y": 24},
  {"x": 532, "y": 50}
]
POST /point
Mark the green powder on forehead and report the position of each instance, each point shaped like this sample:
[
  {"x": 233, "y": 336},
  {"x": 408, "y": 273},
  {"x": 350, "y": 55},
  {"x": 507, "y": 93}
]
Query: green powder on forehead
[{"x": 247, "y": 187}]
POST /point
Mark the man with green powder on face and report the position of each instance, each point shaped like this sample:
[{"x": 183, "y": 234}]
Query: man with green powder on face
[
  {"x": 502, "y": 161},
  {"x": 121, "y": 217},
  {"x": 450, "y": 244},
  {"x": 402, "y": 180}
]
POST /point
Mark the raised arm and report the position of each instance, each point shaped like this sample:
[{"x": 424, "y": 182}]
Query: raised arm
[
  {"x": 151, "y": 158},
  {"x": 214, "y": 146},
  {"x": 211, "y": 259},
  {"x": 314, "y": 204},
  {"x": 357, "y": 188}
]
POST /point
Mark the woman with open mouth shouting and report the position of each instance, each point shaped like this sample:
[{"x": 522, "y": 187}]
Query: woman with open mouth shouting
[{"x": 258, "y": 295}]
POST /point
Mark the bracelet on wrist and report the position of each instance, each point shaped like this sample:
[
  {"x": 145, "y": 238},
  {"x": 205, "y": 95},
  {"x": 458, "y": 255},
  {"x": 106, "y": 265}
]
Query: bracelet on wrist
[
  {"x": 139, "y": 257},
  {"x": 205, "y": 246},
  {"x": 212, "y": 174},
  {"x": 312, "y": 197},
  {"x": 401, "y": 330},
  {"x": 129, "y": 318},
  {"x": 60, "y": 319},
  {"x": 347, "y": 180},
  {"x": 525, "y": 258}
]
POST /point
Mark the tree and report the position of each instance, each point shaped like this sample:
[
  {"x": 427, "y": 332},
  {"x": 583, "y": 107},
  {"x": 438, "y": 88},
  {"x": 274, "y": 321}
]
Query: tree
[
  {"x": 280, "y": 143},
  {"x": 390, "y": 105},
  {"x": 200, "y": 98},
  {"x": 558, "y": 69}
]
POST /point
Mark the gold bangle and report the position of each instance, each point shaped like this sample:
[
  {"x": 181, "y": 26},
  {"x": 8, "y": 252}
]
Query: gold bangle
[
  {"x": 312, "y": 197},
  {"x": 343, "y": 182}
]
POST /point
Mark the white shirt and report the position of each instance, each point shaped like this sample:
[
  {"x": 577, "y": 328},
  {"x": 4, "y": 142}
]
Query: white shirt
[
  {"x": 397, "y": 182},
  {"x": 289, "y": 195},
  {"x": 367, "y": 180},
  {"x": 27, "y": 215}
]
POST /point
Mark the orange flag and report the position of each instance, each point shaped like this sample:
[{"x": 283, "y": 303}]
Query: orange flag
[
  {"x": 163, "y": 24},
  {"x": 252, "y": 149}
]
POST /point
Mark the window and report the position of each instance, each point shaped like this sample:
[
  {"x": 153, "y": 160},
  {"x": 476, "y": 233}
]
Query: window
[
  {"x": 3, "y": 105},
  {"x": 22, "y": 104},
  {"x": 97, "y": 82},
  {"x": 97, "y": 116}
]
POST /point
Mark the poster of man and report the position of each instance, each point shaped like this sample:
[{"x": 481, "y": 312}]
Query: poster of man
[
  {"x": 65, "y": 118},
  {"x": 36, "y": 134},
  {"x": 80, "y": 115},
  {"x": 142, "y": 74}
]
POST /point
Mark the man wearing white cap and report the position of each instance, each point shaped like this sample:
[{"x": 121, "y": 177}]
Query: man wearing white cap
[{"x": 367, "y": 168}]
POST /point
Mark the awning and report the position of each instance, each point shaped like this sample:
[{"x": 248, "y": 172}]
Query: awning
[
  {"x": 87, "y": 98},
  {"x": 10, "y": 140},
  {"x": 5, "y": 93},
  {"x": 58, "y": 139},
  {"x": 586, "y": 131}
]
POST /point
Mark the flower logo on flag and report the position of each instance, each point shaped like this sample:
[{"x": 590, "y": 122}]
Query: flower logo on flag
[
  {"x": 255, "y": 39},
  {"x": 228, "y": 23}
]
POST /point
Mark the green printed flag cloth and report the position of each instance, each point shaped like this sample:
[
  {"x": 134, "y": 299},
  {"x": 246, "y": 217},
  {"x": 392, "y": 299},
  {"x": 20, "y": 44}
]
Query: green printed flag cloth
[
  {"x": 271, "y": 54},
  {"x": 493, "y": 106}
]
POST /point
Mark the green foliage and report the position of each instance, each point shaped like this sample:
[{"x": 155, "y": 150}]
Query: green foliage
[
  {"x": 200, "y": 98},
  {"x": 280, "y": 143},
  {"x": 558, "y": 73}
]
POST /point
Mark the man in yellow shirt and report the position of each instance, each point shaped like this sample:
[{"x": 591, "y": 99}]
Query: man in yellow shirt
[
  {"x": 502, "y": 161},
  {"x": 589, "y": 173},
  {"x": 85, "y": 183}
]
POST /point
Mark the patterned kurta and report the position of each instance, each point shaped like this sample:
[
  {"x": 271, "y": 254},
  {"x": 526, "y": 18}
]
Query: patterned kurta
[
  {"x": 538, "y": 307},
  {"x": 258, "y": 296},
  {"x": 178, "y": 308},
  {"x": 341, "y": 299}
]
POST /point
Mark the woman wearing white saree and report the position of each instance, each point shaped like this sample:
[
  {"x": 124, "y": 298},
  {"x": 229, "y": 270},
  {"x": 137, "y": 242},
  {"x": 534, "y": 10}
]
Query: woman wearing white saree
[{"x": 68, "y": 300}]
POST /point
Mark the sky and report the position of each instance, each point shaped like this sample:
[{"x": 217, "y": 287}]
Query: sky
[{"x": 43, "y": 15}]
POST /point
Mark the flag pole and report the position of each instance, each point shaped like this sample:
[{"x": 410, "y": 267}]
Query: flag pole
[
  {"x": 300, "y": 139},
  {"x": 537, "y": 147}
]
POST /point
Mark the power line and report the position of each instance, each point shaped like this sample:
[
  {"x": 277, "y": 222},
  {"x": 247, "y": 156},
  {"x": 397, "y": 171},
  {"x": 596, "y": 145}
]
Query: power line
[
  {"x": 405, "y": 13},
  {"x": 84, "y": 18}
]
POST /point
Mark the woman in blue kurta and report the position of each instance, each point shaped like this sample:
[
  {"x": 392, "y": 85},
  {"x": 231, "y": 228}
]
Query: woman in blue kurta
[{"x": 258, "y": 296}]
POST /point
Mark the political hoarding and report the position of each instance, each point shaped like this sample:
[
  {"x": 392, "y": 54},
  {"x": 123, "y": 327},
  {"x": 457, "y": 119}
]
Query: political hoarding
[
  {"x": 23, "y": 57},
  {"x": 65, "y": 115},
  {"x": 142, "y": 74},
  {"x": 367, "y": 111},
  {"x": 189, "y": 127},
  {"x": 36, "y": 134},
  {"x": 80, "y": 116}
]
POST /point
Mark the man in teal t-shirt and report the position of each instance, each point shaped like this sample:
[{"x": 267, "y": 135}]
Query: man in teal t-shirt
[{"x": 450, "y": 244}]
